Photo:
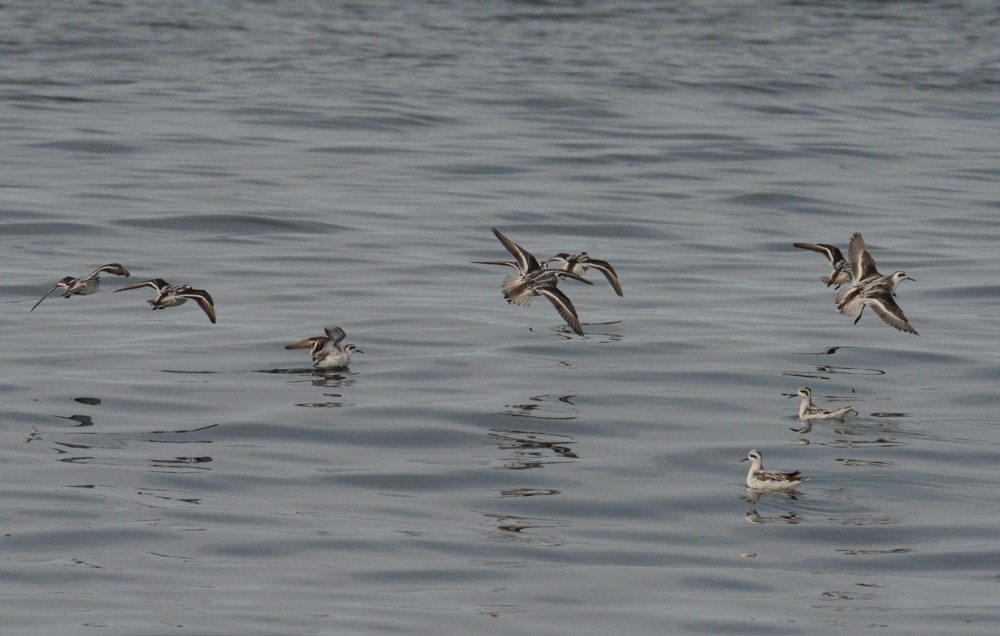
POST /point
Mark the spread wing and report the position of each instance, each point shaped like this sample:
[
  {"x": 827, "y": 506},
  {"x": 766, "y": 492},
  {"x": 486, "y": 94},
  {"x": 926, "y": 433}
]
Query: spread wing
[
  {"x": 63, "y": 284},
  {"x": 157, "y": 283},
  {"x": 890, "y": 312},
  {"x": 563, "y": 305},
  {"x": 564, "y": 274},
  {"x": 506, "y": 263},
  {"x": 112, "y": 268},
  {"x": 862, "y": 263},
  {"x": 305, "y": 343},
  {"x": 525, "y": 261},
  {"x": 204, "y": 301},
  {"x": 832, "y": 253},
  {"x": 609, "y": 272},
  {"x": 335, "y": 334}
]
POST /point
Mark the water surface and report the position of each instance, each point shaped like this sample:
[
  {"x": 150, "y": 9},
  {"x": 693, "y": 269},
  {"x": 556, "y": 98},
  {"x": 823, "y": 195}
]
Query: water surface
[{"x": 480, "y": 469}]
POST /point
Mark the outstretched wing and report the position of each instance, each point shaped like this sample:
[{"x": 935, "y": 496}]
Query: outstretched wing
[
  {"x": 564, "y": 274},
  {"x": 525, "y": 261},
  {"x": 862, "y": 263},
  {"x": 305, "y": 343},
  {"x": 204, "y": 301},
  {"x": 832, "y": 253},
  {"x": 890, "y": 312},
  {"x": 112, "y": 268},
  {"x": 64, "y": 284},
  {"x": 157, "y": 283},
  {"x": 564, "y": 306},
  {"x": 609, "y": 272},
  {"x": 506, "y": 263},
  {"x": 335, "y": 334}
]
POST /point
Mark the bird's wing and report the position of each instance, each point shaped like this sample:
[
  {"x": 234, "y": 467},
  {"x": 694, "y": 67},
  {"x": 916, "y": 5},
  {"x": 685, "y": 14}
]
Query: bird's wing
[
  {"x": 564, "y": 306},
  {"x": 525, "y": 261},
  {"x": 112, "y": 268},
  {"x": 204, "y": 301},
  {"x": 609, "y": 272},
  {"x": 335, "y": 334},
  {"x": 564, "y": 274},
  {"x": 889, "y": 311},
  {"x": 506, "y": 263},
  {"x": 832, "y": 253},
  {"x": 862, "y": 263},
  {"x": 61, "y": 283},
  {"x": 305, "y": 343},
  {"x": 156, "y": 283}
]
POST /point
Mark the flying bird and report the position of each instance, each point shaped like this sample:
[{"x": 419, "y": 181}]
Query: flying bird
[{"x": 168, "y": 295}]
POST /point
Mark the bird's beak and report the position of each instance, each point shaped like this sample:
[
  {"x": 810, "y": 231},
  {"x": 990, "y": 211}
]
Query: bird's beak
[
  {"x": 358, "y": 351},
  {"x": 743, "y": 460},
  {"x": 910, "y": 278},
  {"x": 790, "y": 395}
]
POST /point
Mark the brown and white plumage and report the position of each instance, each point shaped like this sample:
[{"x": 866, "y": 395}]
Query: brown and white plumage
[
  {"x": 841, "y": 272},
  {"x": 534, "y": 280},
  {"x": 85, "y": 285},
  {"x": 579, "y": 263},
  {"x": 168, "y": 295},
  {"x": 759, "y": 478},
  {"x": 872, "y": 289},
  {"x": 325, "y": 350}
]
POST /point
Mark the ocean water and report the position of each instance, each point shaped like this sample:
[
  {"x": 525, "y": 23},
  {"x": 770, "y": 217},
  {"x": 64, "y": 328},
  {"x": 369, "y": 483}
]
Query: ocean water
[{"x": 480, "y": 469}]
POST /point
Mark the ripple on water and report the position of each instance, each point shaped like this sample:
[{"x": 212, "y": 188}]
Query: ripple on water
[{"x": 233, "y": 223}]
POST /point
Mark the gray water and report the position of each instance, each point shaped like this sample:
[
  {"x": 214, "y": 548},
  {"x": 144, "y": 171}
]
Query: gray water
[{"x": 479, "y": 469}]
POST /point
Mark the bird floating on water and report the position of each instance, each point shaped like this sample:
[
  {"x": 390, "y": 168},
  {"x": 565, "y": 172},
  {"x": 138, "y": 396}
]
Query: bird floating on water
[
  {"x": 326, "y": 351},
  {"x": 809, "y": 412},
  {"x": 759, "y": 478}
]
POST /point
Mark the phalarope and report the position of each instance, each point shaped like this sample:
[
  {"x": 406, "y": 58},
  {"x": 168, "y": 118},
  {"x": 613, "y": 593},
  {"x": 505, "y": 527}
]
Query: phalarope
[
  {"x": 85, "y": 285},
  {"x": 841, "y": 267},
  {"x": 872, "y": 289},
  {"x": 809, "y": 411},
  {"x": 579, "y": 263},
  {"x": 326, "y": 350},
  {"x": 168, "y": 295},
  {"x": 758, "y": 478},
  {"x": 534, "y": 280}
]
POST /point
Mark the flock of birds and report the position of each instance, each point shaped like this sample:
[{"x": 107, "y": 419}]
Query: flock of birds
[
  {"x": 327, "y": 352},
  {"x": 167, "y": 295},
  {"x": 538, "y": 279},
  {"x": 869, "y": 288}
]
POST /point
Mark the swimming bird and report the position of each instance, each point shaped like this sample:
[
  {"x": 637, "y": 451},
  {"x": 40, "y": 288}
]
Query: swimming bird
[
  {"x": 872, "y": 289},
  {"x": 326, "y": 350},
  {"x": 580, "y": 263},
  {"x": 533, "y": 280},
  {"x": 758, "y": 478},
  {"x": 168, "y": 295},
  {"x": 85, "y": 285},
  {"x": 841, "y": 267},
  {"x": 809, "y": 411}
]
